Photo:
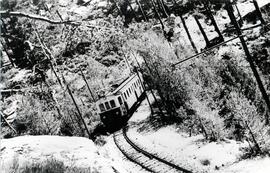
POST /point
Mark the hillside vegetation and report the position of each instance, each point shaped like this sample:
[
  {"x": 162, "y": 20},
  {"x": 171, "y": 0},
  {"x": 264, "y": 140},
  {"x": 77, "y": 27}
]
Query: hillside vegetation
[{"x": 50, "y": 45}]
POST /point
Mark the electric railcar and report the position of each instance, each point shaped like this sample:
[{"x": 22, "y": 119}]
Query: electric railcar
[{"x": 117, "y": 104}]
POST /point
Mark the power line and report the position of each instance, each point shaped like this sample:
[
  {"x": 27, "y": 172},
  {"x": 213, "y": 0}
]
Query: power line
[
  {"x": 205, "y": 51},
  {"x": 220, "y": 44}
]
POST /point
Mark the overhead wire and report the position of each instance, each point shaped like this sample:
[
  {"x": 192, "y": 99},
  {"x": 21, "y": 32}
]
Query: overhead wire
[{"x": 218, "y": 45}]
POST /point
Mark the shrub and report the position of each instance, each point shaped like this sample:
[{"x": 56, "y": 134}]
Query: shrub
[
  {"x": 51, "y": 165},
  {"x": 205, "y": 162},
  {"x": 100, "y": 141},
  {"x": 254, "y": 129}
]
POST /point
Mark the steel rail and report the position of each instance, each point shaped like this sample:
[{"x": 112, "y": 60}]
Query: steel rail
[
  {"x": 150, "y": 155},
  {"x": 128, "y": 157},
  {"x": 142, "y": 152}
]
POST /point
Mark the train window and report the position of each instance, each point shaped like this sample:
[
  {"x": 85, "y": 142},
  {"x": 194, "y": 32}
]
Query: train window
[
  {"x": 120, "y": 100},
  {"x": 129, "y": 90},
  {"x": 112, "y": 103},
  {"x": 127, "y": 93},
  {"x": 101, "y": 107},
  {"x": 107, "y": 105}
]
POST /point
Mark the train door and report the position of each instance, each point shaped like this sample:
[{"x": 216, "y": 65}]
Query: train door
[
  {"x": 136, "y": 95},
  {"x": 122, "y": 105}
]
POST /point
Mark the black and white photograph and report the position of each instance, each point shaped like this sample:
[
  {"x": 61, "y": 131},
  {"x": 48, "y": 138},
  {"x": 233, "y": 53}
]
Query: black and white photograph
[{"x": 135, "y": 86}]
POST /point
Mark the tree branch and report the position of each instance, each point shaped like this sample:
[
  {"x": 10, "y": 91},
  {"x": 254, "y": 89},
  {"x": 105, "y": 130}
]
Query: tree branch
[{"x": 36, "y": 17}]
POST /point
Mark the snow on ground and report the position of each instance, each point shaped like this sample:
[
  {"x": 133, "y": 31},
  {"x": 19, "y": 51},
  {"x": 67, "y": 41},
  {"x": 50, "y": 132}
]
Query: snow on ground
[
  {"x": 192, "y": 153},
  {"x": 73, "y": 151},
  {"x": 117, "y": 159},
  {"x": 257, "y": 165},
  {"x": 248, "y": 6}
]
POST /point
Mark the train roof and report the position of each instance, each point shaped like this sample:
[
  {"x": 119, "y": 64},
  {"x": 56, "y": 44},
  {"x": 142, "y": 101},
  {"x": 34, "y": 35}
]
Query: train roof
[
  {"x": 122, "y": 84},
  {"x": 117, "y": 87}
]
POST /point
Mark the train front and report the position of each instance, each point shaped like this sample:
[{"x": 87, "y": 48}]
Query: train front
[{"x": 111, "y": 109}]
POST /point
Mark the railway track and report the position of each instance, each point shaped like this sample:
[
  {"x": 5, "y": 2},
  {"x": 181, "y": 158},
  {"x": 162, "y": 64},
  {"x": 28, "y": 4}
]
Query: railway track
[{"x": 146, "y": 160}]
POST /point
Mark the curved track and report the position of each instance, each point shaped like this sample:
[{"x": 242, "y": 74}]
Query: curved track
[{"x": 143, "y": 158}]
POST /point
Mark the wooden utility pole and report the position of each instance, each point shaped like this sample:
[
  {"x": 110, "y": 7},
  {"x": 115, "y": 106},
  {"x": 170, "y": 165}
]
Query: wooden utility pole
[
  {"x": 126, "y": 60},
  {"x": 239, "y": 14},
  {"x": 186, "y": 29},
  {"x": 202, "y": 31},
  {"x": 59, "y": 15},
  {"x": 57, "y": 106},
  {"x": 250, "y": 60},
  {"x": 152, "y": 111},
  {"x": 118, "y": 8},
  {"x": 212, "y": 18},
  {"x": 160, "y": 93},
  {"x": 258, "y": 11},
  {"x": 144, "y": 88},
  {"x": 49, "y": 56},
  {"x": 188, "y": 34},
  {"x": 133, "y": 11},
  {"x": 157, "y": 13},
  {"x": 141, "y": 9},
  {"x": 88, "y": 87},
  {"x": 162, "y": 7},
  {"x": 77, "y": 107},
  {"x": 151, "y": 72}
]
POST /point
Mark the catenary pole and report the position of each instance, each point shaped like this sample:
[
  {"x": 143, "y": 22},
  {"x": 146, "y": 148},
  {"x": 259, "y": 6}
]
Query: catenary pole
[
  {"x": 151, "y": 72},
  {"x": 186, "y": 28},
  {"x": 88, "y": 87},
  {"x": 250, "y": 60},
  {"x": 144, "y": 85},
  {"x": 141, "y": 9},
  {"x": 77, "y": 107},
  {"x": 258, "y": 11},
  {"x": 202, "y": 31}
]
